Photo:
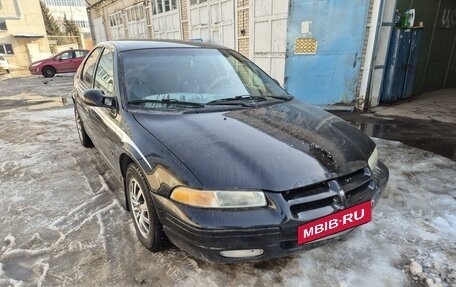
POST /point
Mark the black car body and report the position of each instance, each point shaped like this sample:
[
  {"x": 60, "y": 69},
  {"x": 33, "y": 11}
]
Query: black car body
[{"x": 297, "y": 155}]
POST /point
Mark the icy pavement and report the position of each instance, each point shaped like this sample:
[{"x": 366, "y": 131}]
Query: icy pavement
[{"x": 62, "y": 223}]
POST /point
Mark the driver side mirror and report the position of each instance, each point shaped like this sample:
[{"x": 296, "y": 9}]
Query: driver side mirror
[{"x": 97, "y": 98}]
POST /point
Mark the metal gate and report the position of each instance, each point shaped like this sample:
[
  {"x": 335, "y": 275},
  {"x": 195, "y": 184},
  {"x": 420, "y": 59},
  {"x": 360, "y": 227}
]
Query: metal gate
[
  {"x": 213, "y": 21},
  {"x": 324, "y": 49},
  {"x": 269, "y": 30}
]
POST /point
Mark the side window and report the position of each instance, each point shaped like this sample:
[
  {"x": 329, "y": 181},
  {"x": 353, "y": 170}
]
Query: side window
[
  {"x": 89, "y": 67},
  {"x": 104, "y": 77},
  {"x": 80, "y": 54},
  {"x": 66, "y": 55}
]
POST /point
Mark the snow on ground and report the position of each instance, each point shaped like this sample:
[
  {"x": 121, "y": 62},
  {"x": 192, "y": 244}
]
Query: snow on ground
[{"x": 62, "y": 221}]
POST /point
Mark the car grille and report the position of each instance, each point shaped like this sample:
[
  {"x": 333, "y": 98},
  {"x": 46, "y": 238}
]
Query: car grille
[{"x": 314, "y": 201}]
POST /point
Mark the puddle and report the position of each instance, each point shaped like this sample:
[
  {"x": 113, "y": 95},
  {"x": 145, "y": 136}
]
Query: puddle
[
  {"x": 434, "y": 136},
  {"x": 32, "y": 102}
]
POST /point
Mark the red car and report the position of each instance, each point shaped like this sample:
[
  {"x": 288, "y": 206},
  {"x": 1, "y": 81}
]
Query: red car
[{"x": 63, "y": 62}]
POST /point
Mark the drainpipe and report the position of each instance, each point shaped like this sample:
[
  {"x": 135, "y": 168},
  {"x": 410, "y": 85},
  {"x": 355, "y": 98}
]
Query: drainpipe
[
  {"x": 374, "y": 28},
  {"x": 91, "y": 26},
  {"x": 18, "y": 7}
]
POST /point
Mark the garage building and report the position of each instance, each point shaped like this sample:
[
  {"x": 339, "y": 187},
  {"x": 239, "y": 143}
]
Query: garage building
[{"x": 337, "y": 54}]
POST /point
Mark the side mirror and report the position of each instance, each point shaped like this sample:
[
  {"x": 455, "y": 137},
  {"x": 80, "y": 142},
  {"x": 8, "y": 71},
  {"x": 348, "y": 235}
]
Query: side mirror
[{"x": 97, "y": 98}]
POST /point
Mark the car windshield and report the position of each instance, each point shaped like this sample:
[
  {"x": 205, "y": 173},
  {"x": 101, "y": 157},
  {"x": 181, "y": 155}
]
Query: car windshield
[{"x": 161, "y": 78}]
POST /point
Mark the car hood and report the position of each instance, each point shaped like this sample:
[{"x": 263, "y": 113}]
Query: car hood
[{"x": 275, "y": 147}]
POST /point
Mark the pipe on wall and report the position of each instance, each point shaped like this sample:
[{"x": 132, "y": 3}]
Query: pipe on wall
[{"x": 374, "y": 28}]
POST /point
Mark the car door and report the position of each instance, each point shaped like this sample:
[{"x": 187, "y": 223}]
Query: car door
[
  {"x": 84, "y": 82},
  {"x": 105, "y": 120},
  {"x": 64, "y": 62}
]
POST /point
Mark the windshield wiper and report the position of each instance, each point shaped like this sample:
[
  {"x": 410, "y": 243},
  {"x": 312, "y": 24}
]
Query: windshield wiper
[
  {"x": 241, "y": 100},
  {"x": 168, "y": 102},
  {"x": 238, "y": 101},
  {"x": 284, "y": 98}
]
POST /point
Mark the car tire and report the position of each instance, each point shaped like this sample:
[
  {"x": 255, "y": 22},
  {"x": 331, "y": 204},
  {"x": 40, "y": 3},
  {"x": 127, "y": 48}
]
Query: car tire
[
  {"x": 148, "y": 227},
  {"x": 48, "y": 72},
  {"x": 83, "y": 136}
]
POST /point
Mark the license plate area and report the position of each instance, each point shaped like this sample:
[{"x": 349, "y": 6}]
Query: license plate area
[{"x": 331, "y": 225}]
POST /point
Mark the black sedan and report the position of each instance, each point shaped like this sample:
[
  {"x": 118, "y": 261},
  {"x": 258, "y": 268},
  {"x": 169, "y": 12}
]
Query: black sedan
[{"x": 213, "y": 154}]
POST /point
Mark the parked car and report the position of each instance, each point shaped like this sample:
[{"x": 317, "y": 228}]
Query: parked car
[
  {"x": 4, "y": 65},
  {"x": 63, "y": 62},
  {"x": 213, "y": 154}
]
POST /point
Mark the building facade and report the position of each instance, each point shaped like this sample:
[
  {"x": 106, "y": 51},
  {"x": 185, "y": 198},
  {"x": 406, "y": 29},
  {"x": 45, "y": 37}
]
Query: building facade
[
  {"x": 326, "y": 52},
  {"x": 22, "y": 32},
  {"x": 73, "y": 9}
]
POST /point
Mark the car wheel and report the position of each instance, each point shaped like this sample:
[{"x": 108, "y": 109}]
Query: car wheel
[
  {"x": 83, "y": 136},
  {"x": 148, "y": 227},
  {"x": 48, "y": 72}
]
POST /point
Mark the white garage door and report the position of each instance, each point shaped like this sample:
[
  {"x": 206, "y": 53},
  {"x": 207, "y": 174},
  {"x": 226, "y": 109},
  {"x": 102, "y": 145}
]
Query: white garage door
[
  {"x": 269, "y": 31},
  {"x": 99, "y": 30},
  {"x": 213, "y": 21},
  {"x": 165, "y": 20}
]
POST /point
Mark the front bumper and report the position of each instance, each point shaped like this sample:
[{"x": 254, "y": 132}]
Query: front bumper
[
  {"x": 204, "y": 233},
  {"x": 35, "y": 70}
]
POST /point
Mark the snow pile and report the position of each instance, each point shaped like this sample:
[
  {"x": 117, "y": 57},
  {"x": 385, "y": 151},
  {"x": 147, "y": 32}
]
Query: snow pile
[{"x": 63, "y": 224}]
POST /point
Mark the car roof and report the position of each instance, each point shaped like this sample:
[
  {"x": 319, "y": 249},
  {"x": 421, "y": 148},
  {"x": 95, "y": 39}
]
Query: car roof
[
  {"x": 128, "y": 45},
  {"x": 69, "y": 50}
]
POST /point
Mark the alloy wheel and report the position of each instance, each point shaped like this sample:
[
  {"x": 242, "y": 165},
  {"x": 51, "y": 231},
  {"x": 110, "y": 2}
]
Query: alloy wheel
[{"x": 139, "y": 208}]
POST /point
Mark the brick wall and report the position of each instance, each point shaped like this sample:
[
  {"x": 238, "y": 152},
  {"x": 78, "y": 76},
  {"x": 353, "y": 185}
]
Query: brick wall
[
  {"x": 184, "y": 19},
  {"x": 243, "y": 26}
]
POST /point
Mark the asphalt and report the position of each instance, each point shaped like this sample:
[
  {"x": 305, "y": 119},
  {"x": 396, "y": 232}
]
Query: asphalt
[{"x": 426, "y": 121}]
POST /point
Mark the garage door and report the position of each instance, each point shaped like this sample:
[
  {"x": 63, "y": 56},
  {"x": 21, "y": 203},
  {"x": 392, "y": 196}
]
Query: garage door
[
  {"x": 165, "y": 20},
  {"x": 213, "y": 21},
  {"x": 269, "y": 30},
  {"x": 99, "y": 30}
]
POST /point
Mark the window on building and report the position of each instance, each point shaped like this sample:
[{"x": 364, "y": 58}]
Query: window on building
[
  {"x": 82, "y": 24},
  {"x": 194, "y": 2},
  {"x": 3, "y": 25},
  {"x": 72, "y": 3},
  {"x": 173, "y": 4},
  {"x": 117, "y": 26},
  {"x": 6, "y": 49},
  {"x": 162, "y": 6},
  {"x": 136, "y": 22},
  {"x": 166, "y": 5}
]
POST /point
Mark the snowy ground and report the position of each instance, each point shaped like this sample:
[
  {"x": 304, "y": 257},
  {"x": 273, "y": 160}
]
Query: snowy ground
[{"x": 62, "y": 222}]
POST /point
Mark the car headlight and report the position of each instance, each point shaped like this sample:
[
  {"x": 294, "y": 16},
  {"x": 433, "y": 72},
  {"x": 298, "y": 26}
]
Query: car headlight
[
  {"x": 218, "y": 198},
  {"x": 373, "y": 159},
  {"x": 36, "y": 64}
]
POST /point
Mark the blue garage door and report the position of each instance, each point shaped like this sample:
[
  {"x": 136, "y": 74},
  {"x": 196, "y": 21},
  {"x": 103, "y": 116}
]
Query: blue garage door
[{"x": 324, "y": 49}]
